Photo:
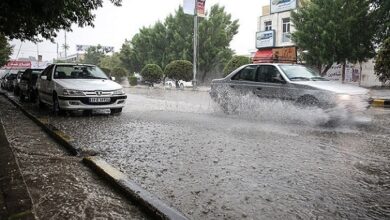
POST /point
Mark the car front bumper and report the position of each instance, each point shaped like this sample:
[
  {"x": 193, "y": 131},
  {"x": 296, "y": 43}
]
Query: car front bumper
[{"x": 83, "y": 103}]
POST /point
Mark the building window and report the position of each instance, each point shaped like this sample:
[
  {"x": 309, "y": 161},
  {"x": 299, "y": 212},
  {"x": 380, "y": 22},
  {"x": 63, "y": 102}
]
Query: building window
[
  {"x": 286, "y": 36},
  {"x": 268, "y": 25}
]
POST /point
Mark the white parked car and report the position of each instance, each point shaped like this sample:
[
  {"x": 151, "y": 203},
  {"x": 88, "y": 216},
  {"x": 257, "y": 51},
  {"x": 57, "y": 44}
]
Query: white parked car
[
  {"x": 79, "y": 87},
  {"x": 183, "y": 84}
]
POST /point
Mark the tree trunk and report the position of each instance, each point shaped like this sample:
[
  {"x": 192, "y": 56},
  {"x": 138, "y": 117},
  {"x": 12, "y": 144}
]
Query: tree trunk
[
  {"x": 343, "y": 73},
  {"x": 327, "y": 67},
  {"x": 204, "y": 76}
]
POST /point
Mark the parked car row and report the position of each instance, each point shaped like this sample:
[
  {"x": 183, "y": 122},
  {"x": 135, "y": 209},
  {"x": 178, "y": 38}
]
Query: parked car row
[{"x": 67, "y": 87}]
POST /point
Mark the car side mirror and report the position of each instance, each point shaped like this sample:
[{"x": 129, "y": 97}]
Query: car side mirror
[
  {"x": 112, "y": 78},
  {"x": 44, "y": 77}
]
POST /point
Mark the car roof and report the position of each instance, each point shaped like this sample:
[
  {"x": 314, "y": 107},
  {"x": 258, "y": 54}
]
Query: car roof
[{"x": 73, "y": 64}]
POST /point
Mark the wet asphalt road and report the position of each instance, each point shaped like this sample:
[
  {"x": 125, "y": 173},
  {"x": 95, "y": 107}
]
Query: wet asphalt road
[{"x": 272, "y": 160}]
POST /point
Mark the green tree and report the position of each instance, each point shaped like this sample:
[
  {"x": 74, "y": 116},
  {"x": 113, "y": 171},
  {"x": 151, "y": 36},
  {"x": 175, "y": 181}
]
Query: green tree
[
  {"x": 130, "y": 60},
  {"x": 215, "y": 35},
  {"x": 331, "y": 31},
  {"x": 26, "y": 20},
  {"x": 119, "y": 72},
  {"x": 173, "y": 40},
  {"x": 152, "y": 73},
  {"x": 382, "y": 62},
  {"x": 5, "y": 50},
  {"x": 94, "y": 55},
  {"x": 179, "y": 70},
  {"x": 111, "y": 62},
  {"x": 380, "y": 14},
  {"x": 234, "y": 63}
]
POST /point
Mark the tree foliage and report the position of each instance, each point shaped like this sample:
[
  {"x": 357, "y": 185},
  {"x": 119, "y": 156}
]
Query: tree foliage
[
  {"x": 382, "y": 62},
  {"x": 331, "y": 31},
  {"x": 5, "y": 50},
  {"x": 179, "y": 70},
  {"x": 152, "y": 73},
  {"x": 27, "y": 20},
  {"x": 119, "y": 72},
  {"x": 94, "y": 55},
  {"x": 111, "y": 62},
  {"x": 173, "y": 40},
  {"x": 381, "y": 19},
  {"x": 234, "y": 63}
]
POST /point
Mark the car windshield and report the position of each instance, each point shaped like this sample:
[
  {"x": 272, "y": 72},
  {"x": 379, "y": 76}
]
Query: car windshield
[
  {"x": 297, "y": 72},
  {"x": 79, "y": 72},
  {"x": 12, "y": 76}
]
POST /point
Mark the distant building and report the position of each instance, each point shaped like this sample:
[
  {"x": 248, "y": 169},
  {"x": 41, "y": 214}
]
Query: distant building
[
  {"x": 74, "y": 58},
  {"x": 274, "y": 28}
]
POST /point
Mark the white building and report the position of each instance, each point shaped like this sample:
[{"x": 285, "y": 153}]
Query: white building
[{"x": 273, "y": 39}]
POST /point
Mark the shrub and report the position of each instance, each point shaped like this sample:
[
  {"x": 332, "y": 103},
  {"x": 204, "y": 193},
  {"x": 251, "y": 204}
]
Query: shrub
[
  {"x": 152, "y": 73},
  {"x": 119, "y": 72},
  {"x": 133, "y": 80},
  {"x": 179, "y": 70},
  {"x": 234, "y": 63}
]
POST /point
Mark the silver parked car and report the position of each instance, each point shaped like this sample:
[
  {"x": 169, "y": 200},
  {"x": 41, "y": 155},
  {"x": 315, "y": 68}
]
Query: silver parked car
[{"x": 288, "y": 82}]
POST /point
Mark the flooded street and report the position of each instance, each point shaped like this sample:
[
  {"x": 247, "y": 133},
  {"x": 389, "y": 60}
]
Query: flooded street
[{"x": 270, "y": 160}]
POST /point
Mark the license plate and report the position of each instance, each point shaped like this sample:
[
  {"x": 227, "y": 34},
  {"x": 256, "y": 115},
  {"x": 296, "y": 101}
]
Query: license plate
[{"x": 99, "y": 100}]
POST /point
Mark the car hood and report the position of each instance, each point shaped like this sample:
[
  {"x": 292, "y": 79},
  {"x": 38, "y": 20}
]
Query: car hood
[
  {"x": 88, "y": 84},
  {"x": 334, "y": 86}
]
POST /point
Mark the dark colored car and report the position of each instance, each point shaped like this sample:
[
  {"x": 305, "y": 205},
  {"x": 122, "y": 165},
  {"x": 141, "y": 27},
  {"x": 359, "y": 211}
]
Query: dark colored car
[
  {"x": 9, "y": 81},
  {"x": 28, "y": 84},
  {"x": 3, "y": 80},
  {"x": 17, "y": 81}
]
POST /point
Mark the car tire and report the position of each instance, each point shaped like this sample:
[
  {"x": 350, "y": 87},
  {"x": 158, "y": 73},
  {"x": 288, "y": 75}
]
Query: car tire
[
  {"x": 56, "y": 109},
  {"x": 116, "y": 110},
  {"x": 181, "y": 86},
  {"x": 41, "y": 105},
  {"x": 22, "y": 97}
]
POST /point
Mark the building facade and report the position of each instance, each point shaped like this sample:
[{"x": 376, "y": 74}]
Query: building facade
[{"x": 274, "y": 28}]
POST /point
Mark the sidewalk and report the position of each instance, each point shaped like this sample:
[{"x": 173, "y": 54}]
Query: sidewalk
[
  {"x": 15, "y": 201},
  {"x": 59, "y": 184}
]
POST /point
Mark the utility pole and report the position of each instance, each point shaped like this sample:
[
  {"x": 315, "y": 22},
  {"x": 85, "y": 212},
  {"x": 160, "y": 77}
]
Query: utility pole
[{"x": 195, "y": 61}]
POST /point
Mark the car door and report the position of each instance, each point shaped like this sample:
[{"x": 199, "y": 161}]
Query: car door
[
  {"x": 44, "y": 85},
  {"x": 244, "y": 81},
  {"x": 271, "y": 83}
]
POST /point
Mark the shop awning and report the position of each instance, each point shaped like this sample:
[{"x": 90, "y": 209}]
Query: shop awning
[{"x": 263, "y": 56}]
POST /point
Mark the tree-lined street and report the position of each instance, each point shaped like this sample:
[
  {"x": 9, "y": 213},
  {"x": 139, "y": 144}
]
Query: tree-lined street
[{"x": 273, "y": 160}]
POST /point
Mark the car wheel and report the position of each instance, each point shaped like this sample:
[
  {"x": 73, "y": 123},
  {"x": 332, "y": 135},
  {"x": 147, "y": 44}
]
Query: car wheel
[
  {"x": 31, "y": 96},
  {"x": 40, "y": 103},
  {"x": 22, "y": 97},
  {"x": 181, "y": 86},
  {"x": 116, "y": 110},
  {"x": 56, "y": 106}
]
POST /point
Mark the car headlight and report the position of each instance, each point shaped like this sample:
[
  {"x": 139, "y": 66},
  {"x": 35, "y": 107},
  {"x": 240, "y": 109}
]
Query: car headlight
[
  {"x": 344, "y": 97},
  {"x": 119, "y": 92},
  {"x": 71, "y": 92}
]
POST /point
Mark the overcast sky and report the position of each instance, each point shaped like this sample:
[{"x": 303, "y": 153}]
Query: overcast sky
[{"x": 115, "y": 24}]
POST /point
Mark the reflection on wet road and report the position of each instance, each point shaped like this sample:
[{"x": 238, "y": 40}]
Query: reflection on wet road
[{"x": 271, "y": 160}]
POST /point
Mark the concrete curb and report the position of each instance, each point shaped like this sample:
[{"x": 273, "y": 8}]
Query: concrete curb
[
  {"x": 156, "y": 207},
  {"x": 146, "y": 200},
  {"x": 384, "y": 103}
]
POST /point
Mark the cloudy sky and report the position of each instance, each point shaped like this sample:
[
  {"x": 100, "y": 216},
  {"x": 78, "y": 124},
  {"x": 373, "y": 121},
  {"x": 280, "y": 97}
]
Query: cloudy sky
[{"x": 115, "y": 24}]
